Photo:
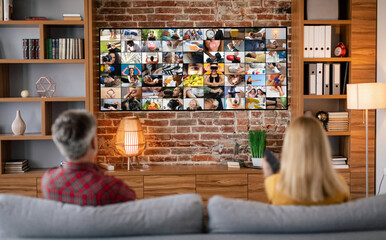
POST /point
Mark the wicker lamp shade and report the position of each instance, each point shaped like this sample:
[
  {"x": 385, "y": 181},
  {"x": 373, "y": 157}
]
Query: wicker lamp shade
[{"x": 130, "y": 140}]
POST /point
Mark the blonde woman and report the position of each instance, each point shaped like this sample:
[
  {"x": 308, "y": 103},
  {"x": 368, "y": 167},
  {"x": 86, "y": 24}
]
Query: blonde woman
[{"x": 306, "y": 176}]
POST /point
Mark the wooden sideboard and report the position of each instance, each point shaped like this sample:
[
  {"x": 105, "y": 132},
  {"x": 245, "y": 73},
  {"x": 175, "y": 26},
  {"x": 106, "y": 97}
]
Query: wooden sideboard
[{"x": 156, "y": 181}]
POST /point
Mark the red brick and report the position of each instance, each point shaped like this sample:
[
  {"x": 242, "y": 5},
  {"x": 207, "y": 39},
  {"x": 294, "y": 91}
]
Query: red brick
[
  {"x": 111, "y": 130},
  {"x": 205, "y": 115},
  {"x": 201, "y": 17},
  {"x": 156, "y": 123},
  {"x": 197, "y": 10},
  {"x": 212, "y": 136},
  {"x": 180, "y": 151},
  {"x": 118, "y": 18},
  {"x": 161, "y": 3},
  {"x": 161, "y": 115},
  {"x": 182, "y": 24},
  {"x": 204, "y": 143},
  {"x": 117, "y": 115},
  {"x": 181, "y": 17},
  {"x": 162, "y": 159},
  {"x": 227, "y": 115},
  {"x": 126, "y": 24},
  {"x": 269, "y": 120},
  {"x": 205, "y": 129},
  {"x": 242, "y": 128},
  {"x": 238, "y": 24},
  {"x": 185, "y": 136},
  {"x": 280, "y": 17},
  {"x": 259, "y": 10},
  {"x": 162, "y": 130},
  {"x": 241, "y": 114},
  {"x": 206, "y": 158},
  {"x": 243, "y": 121},
  {"x": 183, "y": 144},
  {"x": 207, "y": 24},
  {"x": 199, "y": 4},
  {"x": 150, "y": 137},
  {"x": 232, "y": 17},
  {"x": 140, "y": 10},
  {"x": 101, "y": 130},
  {"x": 162, "y": 144},
  {"x": 228, "y": 129},
  {"x": 151, "y": 24},
  {"x": 168, "y": 10},
  {"x": 111, "y": 11},
  {"x": 140, "y": 115},
  {"x": 105, "y": 123},
  {"x": 224, "y": 121},
  {"x": 158, "y": 17},
  {"x": 139, "y": 4},
  {"x": 183, "y": 122},
  {"x": 183, "y": 115},
  {"x": 184, "y": 158},
  {"x": 157, "y": 151},
  {"x": 183, "y": 130},
  {"x": 256, "y": 114}
]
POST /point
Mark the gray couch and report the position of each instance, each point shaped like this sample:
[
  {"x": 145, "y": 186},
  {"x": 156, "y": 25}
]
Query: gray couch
[{"x": 181, "y": 217}]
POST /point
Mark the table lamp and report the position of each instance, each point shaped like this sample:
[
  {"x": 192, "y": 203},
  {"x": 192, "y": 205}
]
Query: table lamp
[
  {"x": 130, "y": 140},
  {"x": 365, "y": 96}
]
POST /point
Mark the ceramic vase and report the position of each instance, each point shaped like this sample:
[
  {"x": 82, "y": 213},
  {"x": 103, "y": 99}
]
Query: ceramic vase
[
  {"x": 257, "y": 162},
  {"x": 18, "y": 125}
]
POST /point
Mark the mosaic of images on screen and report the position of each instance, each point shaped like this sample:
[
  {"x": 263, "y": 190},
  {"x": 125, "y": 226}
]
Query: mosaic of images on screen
[{"x": 193, "y": 69}]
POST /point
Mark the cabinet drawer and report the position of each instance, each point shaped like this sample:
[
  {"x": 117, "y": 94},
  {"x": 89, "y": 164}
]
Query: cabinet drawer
[
  {"x": 256, "y": 191},
  {"x": 156, "y": 186},
  {"x": 227, "y": 185},
  {"x": 135, "y": 183},
  {"x": 20, "y": 186}
]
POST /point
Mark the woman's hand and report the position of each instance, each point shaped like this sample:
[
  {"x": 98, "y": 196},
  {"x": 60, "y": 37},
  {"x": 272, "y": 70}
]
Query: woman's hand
[{"x": 266, "y": 168}]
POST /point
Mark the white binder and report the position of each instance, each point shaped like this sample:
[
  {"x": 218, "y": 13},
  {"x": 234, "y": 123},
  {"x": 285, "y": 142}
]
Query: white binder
[
  {"x": 311, "y": 41},
  {"x": 328, "y": 41},
  {"x": 312, "y": 79},
  {"x": 322, "y": 32},
  {"x": 326, "y": 79},
  {"x": 306, "y": 42},
  {"x": 319, "y": 79},
  {"x": 336, "y": 79},
  {"x": 317, "y": 42}
]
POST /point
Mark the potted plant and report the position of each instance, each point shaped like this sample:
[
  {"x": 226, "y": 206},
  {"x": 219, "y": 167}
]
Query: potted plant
[{"x": 257, "y": 140}]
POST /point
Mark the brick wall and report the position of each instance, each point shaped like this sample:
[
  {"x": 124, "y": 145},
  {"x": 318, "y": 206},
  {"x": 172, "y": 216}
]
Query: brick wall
[{"x": 194, "y": 137}]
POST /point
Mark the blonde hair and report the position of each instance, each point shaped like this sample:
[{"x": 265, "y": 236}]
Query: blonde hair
[{"x": 306, "y": 173}]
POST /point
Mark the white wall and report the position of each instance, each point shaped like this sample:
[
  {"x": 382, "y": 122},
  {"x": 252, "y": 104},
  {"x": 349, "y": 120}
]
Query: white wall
[{"x": 381, "y": 77}]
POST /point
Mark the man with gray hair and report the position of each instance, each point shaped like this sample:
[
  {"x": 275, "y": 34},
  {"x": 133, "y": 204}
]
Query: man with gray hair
[{"x": 80, "y": 181}]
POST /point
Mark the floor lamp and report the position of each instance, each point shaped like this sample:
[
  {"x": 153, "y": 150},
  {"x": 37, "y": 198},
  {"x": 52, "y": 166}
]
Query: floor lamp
[{"x": 365, "y": 96}]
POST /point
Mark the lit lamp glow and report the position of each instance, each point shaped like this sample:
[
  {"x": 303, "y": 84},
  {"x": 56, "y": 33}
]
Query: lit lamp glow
[
  {"x": 365, "y": 96},
  {"x": 130, "y": 140}
]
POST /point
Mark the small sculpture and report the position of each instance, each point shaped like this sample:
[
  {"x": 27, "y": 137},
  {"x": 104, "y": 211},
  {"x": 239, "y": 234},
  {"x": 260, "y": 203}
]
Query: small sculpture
[
  {"x": 24, "y": 94},
  {"x": 45, "y": 87}
]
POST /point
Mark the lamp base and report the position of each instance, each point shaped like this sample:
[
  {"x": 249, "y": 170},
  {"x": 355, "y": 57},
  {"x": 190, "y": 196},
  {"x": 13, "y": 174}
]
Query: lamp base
[{"x": 135, "y": 165}]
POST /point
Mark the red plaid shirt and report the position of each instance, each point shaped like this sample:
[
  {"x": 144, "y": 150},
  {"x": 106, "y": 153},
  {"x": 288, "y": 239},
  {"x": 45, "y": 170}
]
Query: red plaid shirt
[{"x": 84, "y": 184}]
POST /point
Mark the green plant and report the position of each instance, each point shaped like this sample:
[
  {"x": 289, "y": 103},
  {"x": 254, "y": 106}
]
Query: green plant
[{"x": 257, "y": 141}]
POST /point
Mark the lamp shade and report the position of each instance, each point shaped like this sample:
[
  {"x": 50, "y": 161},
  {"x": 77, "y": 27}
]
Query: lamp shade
[
  {"x": 130, "y": 140},
  {"x": 366, "y": 96}
]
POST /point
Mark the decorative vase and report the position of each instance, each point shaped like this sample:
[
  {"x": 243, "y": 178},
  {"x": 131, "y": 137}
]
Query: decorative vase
[
  {"x": 18, "y": 125},
  {"x": 258, "y": 162}
]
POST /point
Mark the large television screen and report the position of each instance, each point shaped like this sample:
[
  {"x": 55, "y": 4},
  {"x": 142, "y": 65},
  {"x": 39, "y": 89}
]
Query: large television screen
[{"x": 176, "y": 69}]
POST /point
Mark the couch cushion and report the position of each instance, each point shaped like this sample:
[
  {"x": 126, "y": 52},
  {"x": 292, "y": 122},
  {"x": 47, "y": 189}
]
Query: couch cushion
[
  {"x": 240, "y": 216},
  {"x": 33, "y": 217}
]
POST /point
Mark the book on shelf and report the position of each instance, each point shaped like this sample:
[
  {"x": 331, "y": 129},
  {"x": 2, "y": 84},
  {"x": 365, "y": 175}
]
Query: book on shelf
[
  {"x": 325, "y": 78},
  {"x": 345, "y": 166},
  {"x": 35, "y": 18},
  {"x": 71, "y": 14},
  {"x": 17, "y": 171},
  {"x": 64, "y": 48},
  {"x": 1, "y": 10},
  {"x": 72, "y": 18},
  {"x": 338, "y": 122},
  {"x": 16, "y": 162}
]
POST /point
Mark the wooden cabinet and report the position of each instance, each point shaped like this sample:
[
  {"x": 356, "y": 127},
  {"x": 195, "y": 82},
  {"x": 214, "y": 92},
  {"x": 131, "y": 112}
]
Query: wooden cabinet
[
  {"x": 256, "y": 191},
  {"x": 72, "y": 78},
  {"x": 357, "y": 29},
  {"x": 162, "y": 185},
  {"x": 135, "y": 183},
  {"x": 19, "y": 186},
  {"x": 226, "y": 185}
]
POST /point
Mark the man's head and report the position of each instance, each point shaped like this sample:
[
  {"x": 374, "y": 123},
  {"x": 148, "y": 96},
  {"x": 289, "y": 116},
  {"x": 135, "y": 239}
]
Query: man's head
[
  {"x": 73, "y": 133},
  {"x": 130, "y": 43}
]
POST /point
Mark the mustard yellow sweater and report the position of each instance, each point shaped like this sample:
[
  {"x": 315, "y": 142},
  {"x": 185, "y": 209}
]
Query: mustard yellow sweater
[{"x": 276, "y": 197}]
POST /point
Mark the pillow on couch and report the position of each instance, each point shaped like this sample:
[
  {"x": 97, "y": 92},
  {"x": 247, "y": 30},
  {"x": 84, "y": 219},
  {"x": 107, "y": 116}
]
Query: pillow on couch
[
  {"x": 32, "y": 217},
  {"x": 240, "y": 216}
]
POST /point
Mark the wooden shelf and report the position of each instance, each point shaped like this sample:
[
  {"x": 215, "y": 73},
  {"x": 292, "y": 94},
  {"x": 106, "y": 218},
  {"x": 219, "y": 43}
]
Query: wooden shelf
[
  {"x": 22, "y": 61},
  {"x": 38, "y": 99},
  {"x": 28, "y": 136},
  {"x": 327, "y": 22},
  {"x": 48, "y": 22},
  {"x": 338, "y": 133},
  {"x": 325, "y": 97},
  {"x": 333, "y": 59}
]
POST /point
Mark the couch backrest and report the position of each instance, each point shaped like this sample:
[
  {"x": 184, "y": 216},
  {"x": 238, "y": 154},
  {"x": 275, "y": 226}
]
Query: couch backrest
[
  {"x": 239, "y": 216},
  {"x": 32, "y": 217}
]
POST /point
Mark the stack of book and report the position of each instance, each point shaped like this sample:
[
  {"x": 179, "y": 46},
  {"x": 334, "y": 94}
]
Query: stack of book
[
  {"x": 17, "y": 166},
  {"x": 31, "y": 49},
  {"x": 72, "y": 17},
  {"x": 64, "y": 48},
  {"x": 339, "y": 162},
  {"x": 6, "y": 10},
  {"x": 337, "y": 122}
]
